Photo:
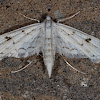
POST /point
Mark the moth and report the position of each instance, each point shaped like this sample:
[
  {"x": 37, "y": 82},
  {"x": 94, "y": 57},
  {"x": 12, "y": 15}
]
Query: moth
[{"x": 49, "y": 38}]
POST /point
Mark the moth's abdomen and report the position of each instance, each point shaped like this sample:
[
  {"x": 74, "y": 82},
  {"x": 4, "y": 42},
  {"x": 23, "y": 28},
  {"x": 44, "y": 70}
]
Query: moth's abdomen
[{"x": 48, "y": 47}]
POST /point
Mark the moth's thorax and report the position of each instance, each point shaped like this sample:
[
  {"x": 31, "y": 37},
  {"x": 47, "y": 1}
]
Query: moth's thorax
[{"x": 48, "y": 18}]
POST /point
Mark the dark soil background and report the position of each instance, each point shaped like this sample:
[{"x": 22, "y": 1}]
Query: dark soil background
[{"x": 33, "y": 82}]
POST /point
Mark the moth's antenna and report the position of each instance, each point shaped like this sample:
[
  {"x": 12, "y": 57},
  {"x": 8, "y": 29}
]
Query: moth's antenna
[
  {"x": 22, "y": 68},
  {"x": 72, "y": 66},
  {"x": 62, "y": 20},
  {"x": 30, "y": 18}
]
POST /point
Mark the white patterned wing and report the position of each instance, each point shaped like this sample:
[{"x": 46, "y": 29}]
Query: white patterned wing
[
  {"x": 68, "y": 49},
  {"x": 23, "y": 42},
  {"x": 74, "y": 43}
]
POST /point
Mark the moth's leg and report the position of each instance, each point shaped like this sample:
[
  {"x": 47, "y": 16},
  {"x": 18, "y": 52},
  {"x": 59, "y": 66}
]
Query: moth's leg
[
  {"x": 29, "y": 62},
  {"x": 72, "y": 66},
  {"x": 62, "y": 20},
  {"x": 30, "y": 18},
  {"x": 41, "y": 55}
]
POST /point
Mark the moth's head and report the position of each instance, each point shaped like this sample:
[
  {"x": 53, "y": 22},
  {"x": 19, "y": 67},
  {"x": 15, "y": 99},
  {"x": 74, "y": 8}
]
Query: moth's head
[{"x": 48, "y": 18}]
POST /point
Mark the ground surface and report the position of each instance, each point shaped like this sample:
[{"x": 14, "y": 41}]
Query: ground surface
[{"x": 33, "y": 83}]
